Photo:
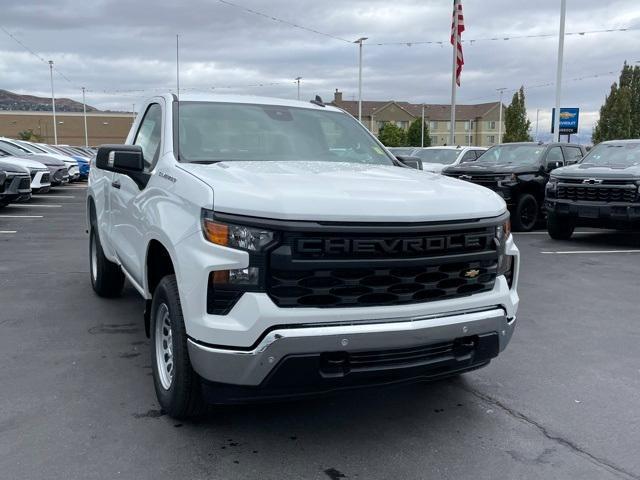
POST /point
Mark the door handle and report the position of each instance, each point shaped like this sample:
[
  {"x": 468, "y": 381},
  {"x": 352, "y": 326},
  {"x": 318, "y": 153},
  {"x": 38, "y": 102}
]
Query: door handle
[{"x": 115, "y": 184}]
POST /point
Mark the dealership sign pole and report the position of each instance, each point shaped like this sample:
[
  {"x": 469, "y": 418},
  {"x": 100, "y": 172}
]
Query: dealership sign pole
[{"x": 556, "y": 123}]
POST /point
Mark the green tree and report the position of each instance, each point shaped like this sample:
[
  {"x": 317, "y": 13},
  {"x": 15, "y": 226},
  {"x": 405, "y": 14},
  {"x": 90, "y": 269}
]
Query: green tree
[
  {"x": 29, "y": 136},
  {"x": 516, "y": 123},
  {"x": 392, "y": 136},
  {"x": 620, "y": 113},
  {"x": 414, "y": 139}
]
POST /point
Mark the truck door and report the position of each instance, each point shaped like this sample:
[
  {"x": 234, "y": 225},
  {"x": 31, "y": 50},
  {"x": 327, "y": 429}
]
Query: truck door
[{"x": 128, "y": 224}]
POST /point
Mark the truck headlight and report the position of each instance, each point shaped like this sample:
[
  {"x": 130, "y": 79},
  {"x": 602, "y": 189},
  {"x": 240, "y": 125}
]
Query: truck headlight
[
  {"x": 507, "y": 180},
  {"x": 505, "y": 262},
  {"x": 234, "y": 236},
  {"x": 552, "y": 186}
]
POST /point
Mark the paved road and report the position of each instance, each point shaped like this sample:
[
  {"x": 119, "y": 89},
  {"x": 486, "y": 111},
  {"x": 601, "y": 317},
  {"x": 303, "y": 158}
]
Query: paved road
[{"x": 77, "y": 401}]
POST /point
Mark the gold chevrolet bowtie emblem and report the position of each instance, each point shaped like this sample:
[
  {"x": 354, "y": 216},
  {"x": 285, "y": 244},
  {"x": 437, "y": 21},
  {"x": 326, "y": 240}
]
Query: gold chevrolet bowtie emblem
[{"x": 473, "y": 273}]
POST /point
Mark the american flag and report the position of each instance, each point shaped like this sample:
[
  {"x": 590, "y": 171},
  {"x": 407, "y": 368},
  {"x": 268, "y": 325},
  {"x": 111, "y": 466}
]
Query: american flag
[{"x": 456, "y": 37}]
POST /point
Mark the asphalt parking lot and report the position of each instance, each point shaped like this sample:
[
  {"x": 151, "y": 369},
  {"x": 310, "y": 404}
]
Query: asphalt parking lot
[{"x": 77, "y": 400}]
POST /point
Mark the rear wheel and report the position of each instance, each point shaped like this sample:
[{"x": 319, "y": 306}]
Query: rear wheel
[
  {"x": 177, "y": 385},
  {"x": 559, "y": 228},
  {"x": 526, "y": 213},
  {"x": 107, "y": 278}
]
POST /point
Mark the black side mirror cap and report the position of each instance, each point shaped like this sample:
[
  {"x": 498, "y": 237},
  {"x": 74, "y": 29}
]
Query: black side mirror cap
[
  {"x": 411, "y": 162},
  {"x": 120, "y": 158},
  {"x": 555, "y": 164},
  {"x": 125, "y": 159}
]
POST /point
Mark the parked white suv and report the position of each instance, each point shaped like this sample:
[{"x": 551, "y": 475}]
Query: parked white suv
[
  {"x": 283, "y": 251},
  {"x": 435, "y": 159}
]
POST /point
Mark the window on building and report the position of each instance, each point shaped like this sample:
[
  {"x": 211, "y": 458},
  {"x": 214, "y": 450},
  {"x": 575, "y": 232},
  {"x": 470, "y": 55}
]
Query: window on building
[
  {"x": 433, "y": 125},
  {"x": 403, "y": 124},
  {"x": 491, "y": 139},
  {"x": 448, "y": 126},
  {"x": 467, "y": 126},
  {"x": 492, "y": 125},
  {"x": 381, "y": 124},
  {"x": 434, "y": 140}
]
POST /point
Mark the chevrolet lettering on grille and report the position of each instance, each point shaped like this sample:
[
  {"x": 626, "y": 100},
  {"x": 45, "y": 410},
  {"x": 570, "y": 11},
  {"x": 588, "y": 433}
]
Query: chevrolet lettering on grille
[{"x": 390, "y": 246}]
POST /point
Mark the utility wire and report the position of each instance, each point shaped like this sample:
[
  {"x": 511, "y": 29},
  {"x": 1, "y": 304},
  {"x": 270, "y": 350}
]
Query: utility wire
[
  {"x": 285, "y": 22},
  {"x": 506, "y": 37},
  {"x": 34, "y": 54}
]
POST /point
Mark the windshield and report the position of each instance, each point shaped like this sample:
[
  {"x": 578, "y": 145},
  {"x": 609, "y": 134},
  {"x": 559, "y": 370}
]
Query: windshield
[
  {"x": 445, "y": 156},
  {"x": 401, "y": 150},
  {"x": 623, "y": 155},
  {"x": 12, "y": 149},
  {"x": 30, "y": 148},
  {"x": 215, "y": 132},
  {"x": 515, "y": 154}
]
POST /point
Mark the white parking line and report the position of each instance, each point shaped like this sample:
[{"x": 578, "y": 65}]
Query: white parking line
[
  {"x": 8, "y": 231},
  {"x": 545, "y": 233},
  {"x": 21, "y": 216},
  {"x": 589, "y": 252},
  {"x": 52, "y": 196},
  {"x": 17, "y": 205}
]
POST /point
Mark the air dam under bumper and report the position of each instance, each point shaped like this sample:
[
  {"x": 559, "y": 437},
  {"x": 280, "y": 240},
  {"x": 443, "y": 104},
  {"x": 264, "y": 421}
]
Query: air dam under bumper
[{"x": 317, "y": 358}]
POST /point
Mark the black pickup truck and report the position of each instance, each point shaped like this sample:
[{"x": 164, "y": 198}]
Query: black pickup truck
[
  {"x": 602, "y": 191},
  {"x": 519, "y": 172}
]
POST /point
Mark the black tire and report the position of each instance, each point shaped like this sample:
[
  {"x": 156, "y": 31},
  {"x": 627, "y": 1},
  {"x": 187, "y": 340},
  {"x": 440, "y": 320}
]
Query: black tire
[
  {"x": 526, "y": 214},
  {"x": 559, "y": 228},
  {"x": 179, "y": 396},
  {"x": 107, "y": 278}
]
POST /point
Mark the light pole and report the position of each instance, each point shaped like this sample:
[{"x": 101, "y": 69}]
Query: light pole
[
  {"x": 556, "y": 119},
  {"x": 53, "y": 105},
  {"x": 84, "y": 114},
  {"x": 537, "y": 121},
  {"x": 359, "y": 42},
  {"x": 501, "y": 91},
  {"x": 422, "y": 132},
  {"x": 298, "y": 81}
]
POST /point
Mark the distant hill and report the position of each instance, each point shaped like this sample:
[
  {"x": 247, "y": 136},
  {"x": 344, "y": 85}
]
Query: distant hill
[{"x": 15, "y": 101}]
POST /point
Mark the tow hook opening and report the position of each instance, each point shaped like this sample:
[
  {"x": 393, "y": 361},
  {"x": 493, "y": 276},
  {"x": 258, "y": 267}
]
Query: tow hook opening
[{"x": 334, "y": 364}]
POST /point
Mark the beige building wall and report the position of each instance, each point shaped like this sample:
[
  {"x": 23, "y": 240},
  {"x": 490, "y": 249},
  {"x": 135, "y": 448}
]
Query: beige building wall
[{"x": 101, "y": 127}]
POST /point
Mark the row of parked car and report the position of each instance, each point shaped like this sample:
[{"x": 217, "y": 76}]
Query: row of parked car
[
  {"x": 28, "y": 168},
  {"x": 561, "y": 183}
]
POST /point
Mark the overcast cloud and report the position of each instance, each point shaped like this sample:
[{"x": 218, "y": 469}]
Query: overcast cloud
[{"x": 124, "y": 51}]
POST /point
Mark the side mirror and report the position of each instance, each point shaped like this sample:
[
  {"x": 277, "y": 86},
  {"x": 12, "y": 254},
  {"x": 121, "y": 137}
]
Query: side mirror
[
  {"x": 125, "y": 159},
  {"x": 120, "y": 158},
  {"x": 552, "y": 165},
  {"x": 411, "y": 162}
]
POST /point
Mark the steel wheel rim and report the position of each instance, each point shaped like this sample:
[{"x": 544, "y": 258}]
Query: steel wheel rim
[
  {"x": 164, "y": 347},
  {"x": 94, "y": 258}
]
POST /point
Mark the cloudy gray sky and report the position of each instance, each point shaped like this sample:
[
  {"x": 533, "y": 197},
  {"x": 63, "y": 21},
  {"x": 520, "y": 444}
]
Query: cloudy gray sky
[{"x": 123, "y": 51}]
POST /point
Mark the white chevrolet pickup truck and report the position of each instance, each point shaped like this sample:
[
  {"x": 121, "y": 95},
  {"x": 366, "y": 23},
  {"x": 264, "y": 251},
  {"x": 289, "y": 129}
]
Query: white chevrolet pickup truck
[{"x": 282, "y": 251}]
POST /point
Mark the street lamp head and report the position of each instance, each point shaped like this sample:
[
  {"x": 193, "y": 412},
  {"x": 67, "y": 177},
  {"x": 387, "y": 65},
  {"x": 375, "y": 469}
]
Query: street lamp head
[
  {"x": 298, "y": 79},
  {"x": 361, "y": 39}
]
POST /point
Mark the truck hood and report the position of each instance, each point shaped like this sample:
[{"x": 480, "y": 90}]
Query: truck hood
[
  {"x": 25, "y": 162},
  {"x": 591, "y": 171},
  {"x": 490, "y": 169},
  {"x": 324, "y": 191},
  {"x": 45, "y": 159}
]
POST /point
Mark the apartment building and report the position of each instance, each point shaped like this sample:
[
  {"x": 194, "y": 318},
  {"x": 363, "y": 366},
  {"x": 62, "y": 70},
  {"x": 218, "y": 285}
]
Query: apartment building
[{"x": 475, "y": 124}]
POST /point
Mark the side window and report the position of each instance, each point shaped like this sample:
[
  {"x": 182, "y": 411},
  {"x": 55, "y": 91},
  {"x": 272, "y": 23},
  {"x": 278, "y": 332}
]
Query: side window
[
  {"x": 555, "y": 155},
  {"x": 479, "y": 153},
  {"x": 574, "y": 154},
  {"x": 149, "y": 135},
  {"x": 470, "y": 156}
]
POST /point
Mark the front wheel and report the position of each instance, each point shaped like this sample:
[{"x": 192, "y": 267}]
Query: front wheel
[
  {"x": 559, "y": 228},
  {"x": 107, "y": 278},
  {"x": 526, "y": 213},
  {"x": 177, "y": 385}
]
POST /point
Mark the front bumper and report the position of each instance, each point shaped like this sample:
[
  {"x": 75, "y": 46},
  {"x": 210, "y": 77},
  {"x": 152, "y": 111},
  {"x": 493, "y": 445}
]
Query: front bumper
[
  {"x": 40, "y": 181},
  {"x": 595, "y": 213},
  {"x": 310, "y": 358}
]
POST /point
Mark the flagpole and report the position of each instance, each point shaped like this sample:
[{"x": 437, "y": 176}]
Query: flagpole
[{"x": 452, "y": 130}]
